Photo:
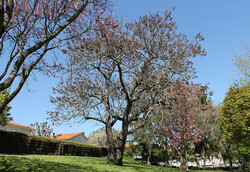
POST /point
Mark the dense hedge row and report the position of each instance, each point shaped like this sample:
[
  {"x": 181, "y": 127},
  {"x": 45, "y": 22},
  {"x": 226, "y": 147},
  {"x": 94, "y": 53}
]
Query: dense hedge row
[{"x": 18, "y": 143}]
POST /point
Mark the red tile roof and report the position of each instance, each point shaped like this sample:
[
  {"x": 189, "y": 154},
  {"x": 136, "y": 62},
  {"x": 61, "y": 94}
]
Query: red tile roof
[
  {"x": 20, "y": 125},
  {"x": 127, "y": 145},
  {"x": 68, "y": 136}
]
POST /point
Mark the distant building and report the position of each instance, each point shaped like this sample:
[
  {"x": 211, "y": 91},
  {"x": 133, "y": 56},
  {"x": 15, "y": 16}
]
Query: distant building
[
  {"x": 74, "y": 137},
  {"x": 210, "y": 163},
  {"x": 129, "y": 141},
  {"x": 15, "y": 127}
]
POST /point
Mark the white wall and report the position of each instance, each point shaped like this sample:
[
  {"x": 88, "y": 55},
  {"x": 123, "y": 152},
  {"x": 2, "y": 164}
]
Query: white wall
[
  {"x": 214, "y": 162},
  {"x": 80, "y": 138},
  {"x": 15, "y": 129}
]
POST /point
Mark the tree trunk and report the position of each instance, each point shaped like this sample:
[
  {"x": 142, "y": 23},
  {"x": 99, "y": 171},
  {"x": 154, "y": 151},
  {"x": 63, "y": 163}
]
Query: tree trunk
[
  {"x": 230, "y": 163},
  {"x": 115, "y": 155},
  {"x": 183, "y": 159},
  {"x": 116, "y": 144},
  {"x": 149, "y": 156},
  {"x": 166, "y": 156},
  {"x": 229, "y": 155},
  {"x": 204, "y": 161}
]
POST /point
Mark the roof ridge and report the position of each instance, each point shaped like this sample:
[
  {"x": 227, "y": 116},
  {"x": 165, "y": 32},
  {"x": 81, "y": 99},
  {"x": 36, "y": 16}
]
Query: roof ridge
[
  {"x": 20, "y": 125},
  {"x": 69, "y": 135}
]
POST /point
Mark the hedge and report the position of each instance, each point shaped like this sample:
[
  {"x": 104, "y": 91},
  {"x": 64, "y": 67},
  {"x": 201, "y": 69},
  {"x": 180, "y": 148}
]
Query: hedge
[{"x": 19, "y": 143}]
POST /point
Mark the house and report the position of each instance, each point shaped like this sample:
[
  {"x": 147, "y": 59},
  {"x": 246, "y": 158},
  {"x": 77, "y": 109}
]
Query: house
[
  {"x": 15, "y": 127},
  {"x": 74, "y": 137}
]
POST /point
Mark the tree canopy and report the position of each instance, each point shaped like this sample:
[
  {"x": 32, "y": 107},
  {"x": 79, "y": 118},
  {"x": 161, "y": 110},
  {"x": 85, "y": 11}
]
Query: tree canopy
[
  {"x": 234, "y": 119},
  {"x": 115, "y": 74}
]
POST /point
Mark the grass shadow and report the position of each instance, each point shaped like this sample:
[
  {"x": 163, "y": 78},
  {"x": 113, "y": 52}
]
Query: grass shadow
[
  {"x": 20, "y": 163},
  {"x": 142, "y": 166}
]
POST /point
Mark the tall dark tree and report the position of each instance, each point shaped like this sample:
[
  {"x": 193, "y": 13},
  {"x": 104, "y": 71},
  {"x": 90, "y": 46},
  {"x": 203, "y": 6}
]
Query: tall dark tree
[
  {"x": 207, "y": 121},
  {"x": 206, "y": 115},
  {"x": 148, "y": 137},
  {"x": 114, "y": 73}
]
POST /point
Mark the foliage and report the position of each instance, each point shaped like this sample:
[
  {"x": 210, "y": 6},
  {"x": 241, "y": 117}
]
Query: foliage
[
  {"x": 29, "y": 29},
  {"x": 234, "y": 120},
  {"x": 134, "y": 149},
  {"x": 151, "y": 143},
  {"x": 72, "y": 163},
  {"x": 5, "y": 115},
  {"x": 242, "y": 67},
  {"x": 115, "y": 76},
  {"x": 178, "y": 123},
  {"x": 146, "y": 138},
  {"x": 42, "y": 129}
]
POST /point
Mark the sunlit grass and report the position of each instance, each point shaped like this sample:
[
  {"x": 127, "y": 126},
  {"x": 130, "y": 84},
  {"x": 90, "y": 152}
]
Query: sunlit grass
[{"x": 71, "y": 163}]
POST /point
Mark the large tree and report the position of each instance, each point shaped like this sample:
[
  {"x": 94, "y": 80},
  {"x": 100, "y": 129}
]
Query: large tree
[
  {"x": 29, "y": 29},
  {"x": 234, "y": 120},
  {"x": 114, "y": 75}
]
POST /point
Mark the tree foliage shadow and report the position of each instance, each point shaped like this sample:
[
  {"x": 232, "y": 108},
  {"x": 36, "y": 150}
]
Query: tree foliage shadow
[{"x": 140, "y": 166}]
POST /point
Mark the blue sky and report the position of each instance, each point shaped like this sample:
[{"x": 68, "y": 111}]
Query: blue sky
[{"x": 225, "y": 24}]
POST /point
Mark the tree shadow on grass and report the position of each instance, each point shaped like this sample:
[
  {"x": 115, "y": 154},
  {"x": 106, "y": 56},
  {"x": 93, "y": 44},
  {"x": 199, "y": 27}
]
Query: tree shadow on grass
[
  {"x": 140, "y": 166},
  {"x": 18, "y": 163}
]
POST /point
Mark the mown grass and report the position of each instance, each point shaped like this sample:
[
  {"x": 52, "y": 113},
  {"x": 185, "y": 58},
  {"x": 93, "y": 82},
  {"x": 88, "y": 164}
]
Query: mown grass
[{"x": 72, "y": 163}]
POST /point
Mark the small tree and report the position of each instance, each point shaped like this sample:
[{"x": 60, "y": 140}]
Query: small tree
[
  {"x": 99, "y": 137},
  {"x": 42, "y": 129},
  {"x": 180, "y": 102}
]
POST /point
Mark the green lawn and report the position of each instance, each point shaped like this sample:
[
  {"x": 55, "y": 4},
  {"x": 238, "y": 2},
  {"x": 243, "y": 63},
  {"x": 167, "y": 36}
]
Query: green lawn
[{"x": 71, "y": 163}]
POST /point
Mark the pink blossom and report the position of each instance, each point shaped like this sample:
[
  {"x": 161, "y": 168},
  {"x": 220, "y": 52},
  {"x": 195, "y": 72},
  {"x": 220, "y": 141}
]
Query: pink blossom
[{"x": 181, "y": 130}]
